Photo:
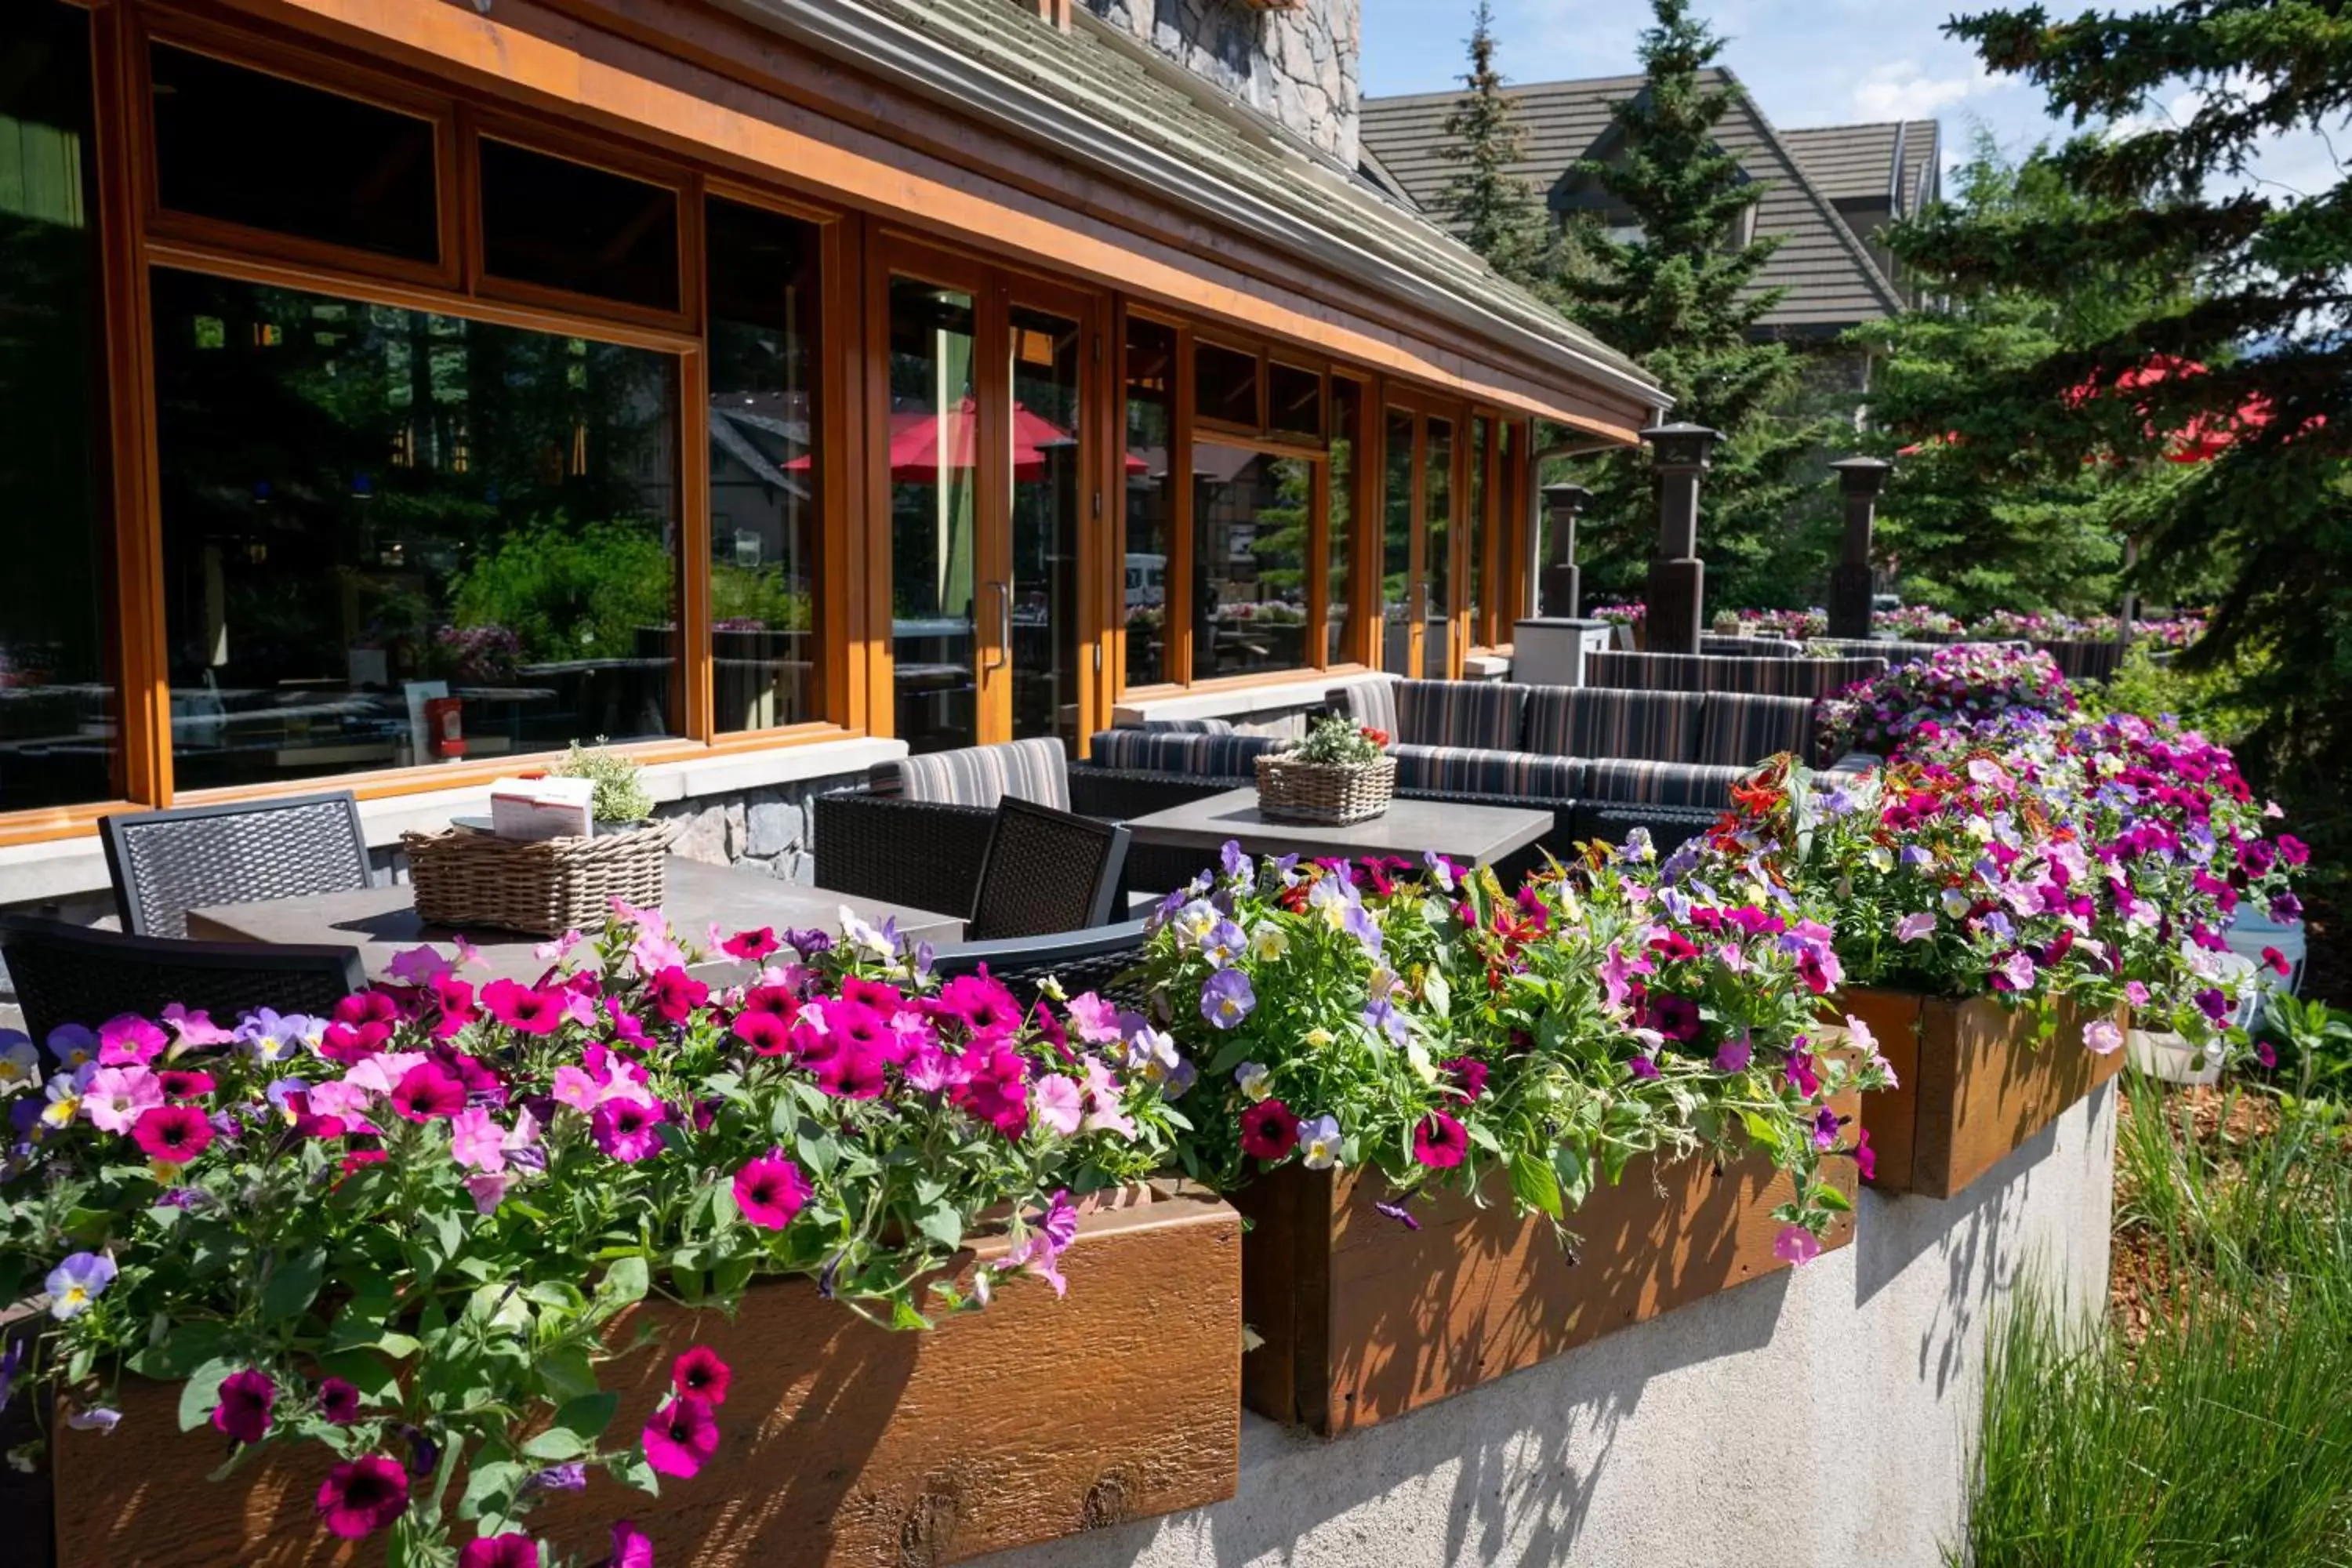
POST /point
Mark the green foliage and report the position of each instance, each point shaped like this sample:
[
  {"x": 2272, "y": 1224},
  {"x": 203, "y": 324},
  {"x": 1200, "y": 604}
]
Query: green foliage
[
  {"x": 741, "y": 596},
  {"x": 1489, "y": 205},
  {"x": 1682, "y": 300},
  {"x": 570, "y": 591},
  {"x": 2272, "y": 516},
  {"x": 2154, "y": 685},
  {"x": 1337, "y": 740},
  {"x": 621, "y": 794}
]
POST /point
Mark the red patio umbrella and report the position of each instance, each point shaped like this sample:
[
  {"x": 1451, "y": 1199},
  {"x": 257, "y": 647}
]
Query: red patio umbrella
[{"x": 922, "y": 444}]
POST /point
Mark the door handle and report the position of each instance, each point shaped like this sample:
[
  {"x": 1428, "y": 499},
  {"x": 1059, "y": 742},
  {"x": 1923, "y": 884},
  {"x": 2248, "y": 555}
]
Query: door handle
[{"x": 1003, "y": 624}]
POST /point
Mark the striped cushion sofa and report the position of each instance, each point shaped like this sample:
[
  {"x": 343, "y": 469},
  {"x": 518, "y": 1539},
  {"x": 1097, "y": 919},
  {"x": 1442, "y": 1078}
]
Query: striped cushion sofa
[{"x": 1708, "y": 673}]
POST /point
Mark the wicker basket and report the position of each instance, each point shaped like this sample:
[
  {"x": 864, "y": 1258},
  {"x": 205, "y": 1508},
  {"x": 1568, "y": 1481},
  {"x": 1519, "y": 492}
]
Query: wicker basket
[
  {"x": 545, "y": 889},
  {"x": 1293, "y": 791}
]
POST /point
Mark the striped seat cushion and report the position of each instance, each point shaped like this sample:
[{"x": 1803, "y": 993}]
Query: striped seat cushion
[
  {"x": 1646, "y": 671},
  {"x": 1596, "y": 721},
  {"x": 1750, "y": 648},
  {"x": 1740, "y": 731},
  {"x": 1035, "y": 770},
  {"x": 1201, "y": 756},
  {"x": 1482, "y": 714},
  {"x": 1821, "y": 677},
  {"x": 1371, "y": 703},
  {"x": 1187, "y": 726},
  {"x": 1475, "y": 769},
  {"x": 1662, "y": 784}
]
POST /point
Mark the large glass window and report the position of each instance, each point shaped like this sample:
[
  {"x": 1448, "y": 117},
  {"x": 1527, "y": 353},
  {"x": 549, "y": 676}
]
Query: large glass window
[
  {"x": 250, "y": 148},
  {"x": 1150, "y": 395},
  {"x": 1437, "y": 550},
  {"x": 58, "y": 635},
  {"x": 767, "y": 650},
  {"x": 1225, "y": 384},
  {"x": 933, "y": 523},
  {"x": 1340, "y": 579},
  {"x": 1474, "y": 527},
  {"x": 376, "y": 519},
  {"x": 1250, "y": 512},
  {"x": 1396, "y": 545},
  {"x": 1048, "y": 417},
  {"x": 566, "y": 226}
]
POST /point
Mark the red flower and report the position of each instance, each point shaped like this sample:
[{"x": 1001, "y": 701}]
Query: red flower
[
  {"x": 675, "y": 994},
  {"x": 1439, "y": 1141},
  {"x": 174, "y": 1134},
  {"x": 428, "y": 1092},
  {"x": 1269, "y": 1130},
  {"x": 751, "y": 946},
  {"x": 456, "y": 998},
  {"x": 523, "y": 1009},
  {"x": 1469, "y": 1076},
  {"x": 766, "y": 1033},
  {"x": 884, "y": 999},
  {"x": 362, "y": 1497},
  {"x": 2271, "y": 956},
  {"x": 700, "y": 1374},
  {"x": 353, "y": 1042},
  {"x": 682, "y": 1435}
]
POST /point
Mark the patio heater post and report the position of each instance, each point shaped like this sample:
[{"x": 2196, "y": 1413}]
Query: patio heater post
[
  {"x": 1562, "y": 591},
  {"x": 1677, "y": 614},
  {"x": 1860, "y": 480}
]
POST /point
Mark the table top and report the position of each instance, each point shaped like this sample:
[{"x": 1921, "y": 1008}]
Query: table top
[
  {"x": 1468, "y": 834},
  {"x": 383, "y": 921}
]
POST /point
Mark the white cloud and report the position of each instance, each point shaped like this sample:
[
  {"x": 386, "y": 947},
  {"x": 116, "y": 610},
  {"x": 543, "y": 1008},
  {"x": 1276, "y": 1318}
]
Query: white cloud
[{"x": 1901, "y": 90}]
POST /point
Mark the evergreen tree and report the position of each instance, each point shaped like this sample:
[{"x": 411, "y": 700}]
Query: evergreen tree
[
  {"x": 2010, "y": 517},
  {"x": 1682, "y": 299},
  {"x": 2270, "y": 324},
  {"x": 1490, "y": 207}
]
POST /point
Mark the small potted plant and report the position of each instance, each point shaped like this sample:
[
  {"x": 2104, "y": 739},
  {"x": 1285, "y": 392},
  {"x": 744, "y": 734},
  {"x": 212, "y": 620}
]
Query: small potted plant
[
  {"x": 1340, "y": 772},
  {"x": 548, "y": 886}
]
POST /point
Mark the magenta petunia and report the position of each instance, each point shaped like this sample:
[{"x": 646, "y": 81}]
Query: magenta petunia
[
  {"x": 362, "y": 1496},
  {"x": 245, "y": 1398},
  {"x": 1865, "y": 1158},
  {"x": 769, "y": 1190},
  {"x": 984, "y": 1006},
  {"x": 1269, "y": 1130},
  {"x": 681, "y": 1437},
  {"x": 751, "y": 946},
  {"x": 510, "y": 1550},
  {"x": 522, "y": 1009},
  {"x": 767, "y": 1034},
  {"x": 632, "y": 1547},
  {"x": 128, "y": 1040},
  {"x": 674, "y": 995},
  {"x": 853, "y": 1072},
  {"x": 428, "y": 1092},
  {"x": 339, "y": 1402},
  {"x": 1469, "y": 1075},
  {"x": 700, "y": 1374},
  {"x": 1796, "y": 1245},
  {"x": 628, "y": 1130},
  {"x": 1440, "y": 1142},
  {"x": 184, "y": 1083},
  {"x": 174, "y": 1135}
]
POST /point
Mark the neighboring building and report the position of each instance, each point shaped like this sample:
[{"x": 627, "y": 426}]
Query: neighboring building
[
  {"x": 768, "y": 386},
  {"x": 1828, "y": 192}
]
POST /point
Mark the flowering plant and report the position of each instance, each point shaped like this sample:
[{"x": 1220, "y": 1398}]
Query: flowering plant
[
  {"x": 1414, "y": 1020},
  {"x": 404, "y": 1232},
  {"x": 1960, "y": 685},
  {"x": 1337, "y": 740},
  {"x": 1915, "y": 620},
  {"x": 1794, "y": 625},
  {"x": 1622, "y": 614}
]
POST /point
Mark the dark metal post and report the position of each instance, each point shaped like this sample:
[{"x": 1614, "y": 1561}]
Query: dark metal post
[
  {"x": 1860, "y": 480},
  {"x": 1677, "y": 576},
  {"x": 1562, "y": 591}
]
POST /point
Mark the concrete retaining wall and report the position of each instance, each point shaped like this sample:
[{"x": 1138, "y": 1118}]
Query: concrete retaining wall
[{"x": 1821, "y": 1416}]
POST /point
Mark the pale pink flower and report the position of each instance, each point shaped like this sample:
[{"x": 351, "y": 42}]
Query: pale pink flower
[
  {"x": 419, "y": 966},
  {"x": 1103, "y": 1108},
  {"x": 1094, "y": 1020},
  {"x": 487, "y": 1191},
  {"x": 475, "y": 1139},
  {"x": 1915, "y": 927},
  {"x": 2102, "y": 1037},
  {"x": 117, "y": 1096},
  {"x": 195, "y": 1028},
  {"x": 557, "y": 951},
  {"x": 340, "y": 1097},
  {"x": 381, "y": 1072},
  {"x": 574, "y": 1087},
  {"x": 654, "y": 950},
  {"x": 1059, "y": 1103},
  {"x": 468, "y": 956},
  {"x": 1796, "y": 1245}
]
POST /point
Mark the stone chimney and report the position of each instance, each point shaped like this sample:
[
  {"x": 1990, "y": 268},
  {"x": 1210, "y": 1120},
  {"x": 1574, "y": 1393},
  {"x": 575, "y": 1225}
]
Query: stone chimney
[{"x": 1297, "y": 64}]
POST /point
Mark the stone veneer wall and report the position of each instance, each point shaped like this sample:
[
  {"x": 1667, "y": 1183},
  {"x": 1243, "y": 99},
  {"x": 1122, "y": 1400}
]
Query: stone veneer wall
[{"x": 1298, "y": 67}]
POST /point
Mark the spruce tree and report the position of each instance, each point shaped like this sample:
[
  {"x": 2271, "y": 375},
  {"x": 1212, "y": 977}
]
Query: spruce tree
[
  {"x": 2180, "y": 99},
  {"x": 1682, "y": 299},
  {"x": 1490, "y": 207}
]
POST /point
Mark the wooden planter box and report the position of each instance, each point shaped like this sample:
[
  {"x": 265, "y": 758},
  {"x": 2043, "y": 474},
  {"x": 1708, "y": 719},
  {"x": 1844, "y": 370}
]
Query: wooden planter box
[
  {"x": 1972, "y": 1085},
  {"x": 840, "y": 1444},
  {"x": 1362, "y": 1320}
]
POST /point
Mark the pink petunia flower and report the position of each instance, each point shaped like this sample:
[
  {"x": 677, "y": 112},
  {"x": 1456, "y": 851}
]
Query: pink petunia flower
[
  {"x": 769, "y": 1190},
  {"x": 428, "y": 1092},
  {"x": 1439, "y": 1141},
  {"x": 522, "y": 1009},
  {"x": 245, "y": 1398},
  {"x": 362, "y": 1496},
  {"x": 117, "y": 1097},
  {"x": 339, "y": 1402},
  {"x": 1796, "y": 1245},
  {"x": 631, "y": 1548},
  {"x": 700, "y": 1374},
  {"x": 628, "y": 1130},
  {"x": 174, "y": 1135},
  {"x": 1058, "y": 1104},
  {"x": 751, "y": 946},
  {"x": 195, "y": 1028},
  {"x": 681, "y": 1438},
  {"x": 128, "y": 1040},
  {"x": 476, "y": 1140},
  {"x": 419, "y": 965},
  {"x": 509, "y": 1551}
]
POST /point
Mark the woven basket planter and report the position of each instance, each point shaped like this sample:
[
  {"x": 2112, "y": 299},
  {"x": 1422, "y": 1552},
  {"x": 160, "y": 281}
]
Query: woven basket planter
[
  {"x": 1293, "y": 791},
  {"x": 545, "y": 889}
]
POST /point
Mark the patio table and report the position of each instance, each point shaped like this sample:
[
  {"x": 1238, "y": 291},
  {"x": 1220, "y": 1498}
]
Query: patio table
[
  {"x": 1466, "y": 835},
  {"x": 383, "y": 921}
]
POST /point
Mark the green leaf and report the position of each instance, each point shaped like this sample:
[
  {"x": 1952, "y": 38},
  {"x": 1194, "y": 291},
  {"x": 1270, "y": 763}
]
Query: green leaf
[
  {"x": 201, "y": 1393},
  {"x": 819, "y": 1153},
  {"x": 587, "y": 1415},
  {"x": 566, "y": 1373},
  {"x": 555, "y": 1445},
  {"x": 1533, "y": 1180},
  {"x": 293, "y": 1286},
  {"x": 1575, "y": 1174},
  {"x": 625, "y": 1281},
  {"x": 1830, "y": 1198},
  {"x": 364, "y": 1372},
  {"x": 490, "y": 1488},
  {"x": 181, "y": 1351},
  {"x": 944, "y": 1224}
]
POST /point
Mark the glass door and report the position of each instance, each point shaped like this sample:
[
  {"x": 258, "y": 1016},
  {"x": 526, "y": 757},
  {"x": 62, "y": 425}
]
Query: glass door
[
  {"x": 1418, "y": 575},
  {"x": 992, "y": 497}
]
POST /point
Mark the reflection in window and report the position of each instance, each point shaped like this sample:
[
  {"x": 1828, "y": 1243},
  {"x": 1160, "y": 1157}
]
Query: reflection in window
[
  {"x": 1294, "y": 401},
  {"x": 1150, "y": 395},
  {"x": 1474, "y": 527},
  {"x": 367, "y": 511},
  {"x": 565, "y": 226},
  {"x": 1396, "y": 546},
  {"x": 1224, "y": 384},
  {"x": 933, "y": 439},
  {"x": 1046, "y": 417},
  {"x": 57, "y": 642},
  {"x": 1250, "y": 513},
  {"x": 250, "y": 148},
  {"x": 1437, "y": 505},
  {"x": 765, "y": 474},
  {"x": 1339, "y": 603}
]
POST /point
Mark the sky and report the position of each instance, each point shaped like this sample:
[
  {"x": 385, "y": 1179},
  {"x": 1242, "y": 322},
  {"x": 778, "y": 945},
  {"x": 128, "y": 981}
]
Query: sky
[{"x": 1807, "y": 62}]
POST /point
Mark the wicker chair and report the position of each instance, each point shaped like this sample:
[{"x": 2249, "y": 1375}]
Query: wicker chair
[
  {"x": 1046, "y": 871},
  {"x": 1080, "y": 960},
  {"x": 73, "y": 974},
  {"x": 166, "y": 863}
]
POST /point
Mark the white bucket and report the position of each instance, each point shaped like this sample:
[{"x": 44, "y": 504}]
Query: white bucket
[{"x": 2168, "y": 1057}]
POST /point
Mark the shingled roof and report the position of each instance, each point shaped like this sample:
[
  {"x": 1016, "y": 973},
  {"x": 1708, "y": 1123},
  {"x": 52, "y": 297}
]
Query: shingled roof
[
  {"x": 1850, "y": 163},
  {"x": 1147, "y": 120},
  {"x": 1830, "y": 278}
]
